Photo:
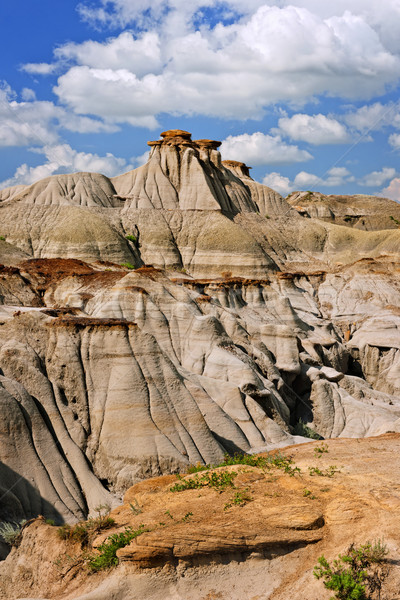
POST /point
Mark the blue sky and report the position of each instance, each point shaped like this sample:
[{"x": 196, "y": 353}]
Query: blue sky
[{"x": 306, "y": 92}]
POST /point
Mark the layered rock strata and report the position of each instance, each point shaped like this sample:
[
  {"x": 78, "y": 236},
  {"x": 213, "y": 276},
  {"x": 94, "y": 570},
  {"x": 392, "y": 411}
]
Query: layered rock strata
[{"x": 175, "y": 313}]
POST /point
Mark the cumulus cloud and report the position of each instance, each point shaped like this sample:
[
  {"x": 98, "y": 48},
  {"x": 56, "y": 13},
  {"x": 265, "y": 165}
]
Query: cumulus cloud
[
  {"x": 231, "y": 70},
  {"x": 394, "y": 141},
  {"x": 392, "y": 191},
  {"x": 38, "y": 122},
  {"x": 378, "y": 178},
  {"x": 28, "y": 95},
  {"x": 262, "y": 149},
  {"x": 61, "y": 158},
  {"x": 279, "y": 183},
  {"x": 314, "y": 129},
  {"x": 39, "y": 68},
  {"x": 373, "y": 117},
  {"x": 141, "y": 55},
  {"x": 335, "y": 177},
  {"x": 141, "y": 160}
]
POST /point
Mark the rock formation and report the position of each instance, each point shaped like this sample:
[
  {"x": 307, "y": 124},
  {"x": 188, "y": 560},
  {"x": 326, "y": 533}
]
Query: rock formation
[
  {"x": 179, "y": 312},
  {"x": 260, "y": 538}
]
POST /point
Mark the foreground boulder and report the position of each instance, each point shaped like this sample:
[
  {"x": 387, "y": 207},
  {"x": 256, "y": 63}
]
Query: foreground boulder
[{"x": 258, "y": 536}]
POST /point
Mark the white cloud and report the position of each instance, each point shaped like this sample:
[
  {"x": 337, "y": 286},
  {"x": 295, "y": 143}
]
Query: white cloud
[
  {"x": 39, "y": 68},
  {"x": 140, "y": 55},
  {"x": 28, "y": 95},
  {"x": 26, "y": 122},
  {"x": 62, "y": 158},
  {"x": 141, "y": 160},
  {"x": 393, "y": 190},
  {"x": 234, "y": 71},
  {"x": 378, "y": 178},
  {"x": 394, "y": 141},
  {"x": 279, "y": 183},
  {"x": 314, "y": 129},
  {"x": 374, "y": 117},
  {"x": 261, "y": 149},
  {"x": 336, "y": 176},
  {"x": 38, "y": 122}
]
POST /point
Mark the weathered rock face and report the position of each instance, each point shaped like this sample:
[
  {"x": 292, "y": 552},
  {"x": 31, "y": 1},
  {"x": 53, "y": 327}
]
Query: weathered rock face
[
  {"x": 360, "y": 212},
  {"x": 202, "y": 544},
  {"x": 232, "y": 332}
]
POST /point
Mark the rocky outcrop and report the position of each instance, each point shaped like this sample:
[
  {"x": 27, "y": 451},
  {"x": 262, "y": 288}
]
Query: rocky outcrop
[
  {"x": 369, "y": 213},
  {"x": 177, "y": 313},
  {"x": 260, "y": 538}
]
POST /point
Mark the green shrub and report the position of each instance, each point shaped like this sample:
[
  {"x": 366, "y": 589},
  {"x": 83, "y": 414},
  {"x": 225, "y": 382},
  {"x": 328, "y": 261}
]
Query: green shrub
[
  {"x": 135, "y": 508},
  {"x": 106, "y": 556},
  {"x": 308, "y": 494},
  {"x": 320, "y": 450},
  {"x": 357, "y": 575},
  {"x": 10, "y": 532},
  {"x": 84, "y": 531},
  {"x": 240, "y": 498},
  {"x": 2, "y": 238},
  {"x": 131, "y": 238},
  {"x": 197, "y": 468},
  {"x": 217, "y": 480},
  {"x": 186, "y": 518},
  {"x": 278, "y": 460},
  {"x": 127, "y": 265},
  {"x": 329, "y": 472}
]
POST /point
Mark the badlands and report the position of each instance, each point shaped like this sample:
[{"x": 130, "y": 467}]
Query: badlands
[{"x": 169, "y": 317}]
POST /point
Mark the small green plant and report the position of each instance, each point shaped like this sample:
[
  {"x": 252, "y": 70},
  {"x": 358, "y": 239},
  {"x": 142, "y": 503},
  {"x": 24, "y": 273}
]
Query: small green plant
[
  {"x": 267, "y": 217},
  {"x": 2, "y": 238},
  {"x": 391, "y": 218},
  {"x": 240, "y": 498},
  {"x": 10, "y": 532},
  {"x": 135, "y": 508},
  {"x": 357, "y": 575},
  {"x": 106, "y": 556},
  {"x": 187, "y": 517},
  {"x": 302, "y": 429},
  {"x": 169, "y": 514},
  {"x": 197, "y": 468},
  {"x": 131, "y": 238},
  {"x": 67, "y": 561},
  {"x": 50, "y": 522},
  {"x": 320, "y": 450},
  {"x": 329, "y": 472},
  {"x": 84, "y": 531},
  {"x": 308, "y": 494},
  {"x": 277, "y": 460},
  {"x": 127, "y": 265},
  {"x": 216, "y": 480}
]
